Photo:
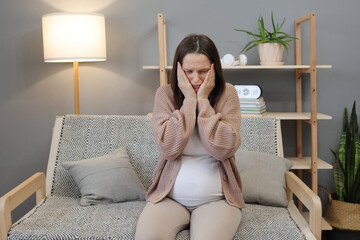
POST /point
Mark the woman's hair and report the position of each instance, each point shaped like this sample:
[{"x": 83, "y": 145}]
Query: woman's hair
[{"x": 198, "y": 44}]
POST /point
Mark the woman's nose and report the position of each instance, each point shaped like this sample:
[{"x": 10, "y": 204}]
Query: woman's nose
[{"x": 196, "y": 79}]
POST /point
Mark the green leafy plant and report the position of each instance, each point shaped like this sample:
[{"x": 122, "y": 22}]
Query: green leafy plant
[
  {"x": 265, "y": 36},
  {"x": 347, "y": 160}
]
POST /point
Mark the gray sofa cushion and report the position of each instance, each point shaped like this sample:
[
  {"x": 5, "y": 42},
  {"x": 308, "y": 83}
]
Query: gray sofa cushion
[
  {"x": 106, "y": 179},
  {"x": 263, "y": 177}
]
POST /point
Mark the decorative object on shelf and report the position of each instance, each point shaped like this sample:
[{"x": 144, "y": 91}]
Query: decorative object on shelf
[
  {"x": 344, "y": 213},
  {"x": 74, "y": 37},
  {"x": 251, "y": 102},
  {"x": 248, "y": 91},
  {"x": 252, "y": 106},
  {"x": 242, "y": 60},
  {"x": 228, "y": 60},
  {"x": 265, "y": 38},
  {"x": 271, "y": 53}
]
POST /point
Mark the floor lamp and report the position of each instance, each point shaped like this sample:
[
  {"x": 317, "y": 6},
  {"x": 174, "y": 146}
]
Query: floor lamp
[{"x": 74, "y": 37}]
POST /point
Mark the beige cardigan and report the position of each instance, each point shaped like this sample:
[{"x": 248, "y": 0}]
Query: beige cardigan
[{"x": 219, "y": 131}]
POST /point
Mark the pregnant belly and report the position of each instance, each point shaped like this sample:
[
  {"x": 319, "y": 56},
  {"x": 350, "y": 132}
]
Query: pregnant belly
[{"x": 197, "y": 182}]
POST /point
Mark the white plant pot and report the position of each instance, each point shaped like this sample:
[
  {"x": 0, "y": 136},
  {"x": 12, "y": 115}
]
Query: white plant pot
[{"x": 271, "y": 53}]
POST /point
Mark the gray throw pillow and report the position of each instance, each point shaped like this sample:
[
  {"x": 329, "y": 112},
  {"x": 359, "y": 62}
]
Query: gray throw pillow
[
  {"x": 263, "y": 177},
  {"x": 106, "y": 179}
]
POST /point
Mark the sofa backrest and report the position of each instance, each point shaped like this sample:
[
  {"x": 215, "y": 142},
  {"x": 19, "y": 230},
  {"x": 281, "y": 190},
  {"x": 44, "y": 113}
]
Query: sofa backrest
[{"x": 79, "y": 137}]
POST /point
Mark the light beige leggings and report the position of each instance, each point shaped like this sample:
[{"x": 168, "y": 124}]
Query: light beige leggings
[{"x": 212, "y": 221}]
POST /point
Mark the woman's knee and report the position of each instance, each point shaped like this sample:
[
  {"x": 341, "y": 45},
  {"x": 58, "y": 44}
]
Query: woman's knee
[
  {"x": 162, "y": 220},
  {"x": 158, "y": 233},
  {"x": 150, "y": 235},
  {"x": 216, "y": 220}
]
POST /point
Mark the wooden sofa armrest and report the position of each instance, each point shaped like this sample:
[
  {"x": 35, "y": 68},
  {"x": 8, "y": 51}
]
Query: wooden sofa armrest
[
  {"x": 8, "y": 202},
  {"x": 312, "y": 201}
]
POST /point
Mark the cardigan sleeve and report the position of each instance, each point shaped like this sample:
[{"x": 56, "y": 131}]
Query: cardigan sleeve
[
  {"x": 219, "y": 128},
  {"x": 172, "y": 127}
]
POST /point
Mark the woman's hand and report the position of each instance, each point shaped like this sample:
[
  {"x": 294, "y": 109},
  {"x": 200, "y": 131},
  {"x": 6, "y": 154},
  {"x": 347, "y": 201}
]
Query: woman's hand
[
  {"x": 208, "y": 84},
  {"x": 184, "y": 83}
]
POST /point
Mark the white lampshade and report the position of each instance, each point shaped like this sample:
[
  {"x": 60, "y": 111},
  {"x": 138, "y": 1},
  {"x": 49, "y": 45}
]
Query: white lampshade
[{"x": 69, "y": 37}]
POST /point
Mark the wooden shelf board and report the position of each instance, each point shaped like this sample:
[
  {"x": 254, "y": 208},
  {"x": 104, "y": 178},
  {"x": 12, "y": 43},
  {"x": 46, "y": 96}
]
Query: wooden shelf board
[
  {"x": 258, "y": 67},
  {"x": 324, "y": 224},
  {"x": 305, "y": 163},
  {"x": 291, "y": 115},
  {"x": 278, "y": 67}
]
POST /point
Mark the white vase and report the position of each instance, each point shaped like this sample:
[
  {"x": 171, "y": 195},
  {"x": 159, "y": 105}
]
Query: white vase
[{"x": 271, "y": 53}]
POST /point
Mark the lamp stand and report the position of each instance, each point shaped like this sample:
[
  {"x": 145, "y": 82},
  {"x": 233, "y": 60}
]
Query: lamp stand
[{"x": 76, "y": 87}]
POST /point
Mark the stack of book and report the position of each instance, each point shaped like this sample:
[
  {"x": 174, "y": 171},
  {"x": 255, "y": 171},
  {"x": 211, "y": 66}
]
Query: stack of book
[{"x": 252, "y": 106}]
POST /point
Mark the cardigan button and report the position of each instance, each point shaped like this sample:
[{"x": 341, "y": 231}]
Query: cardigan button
[{"x": 225, "y": 177}]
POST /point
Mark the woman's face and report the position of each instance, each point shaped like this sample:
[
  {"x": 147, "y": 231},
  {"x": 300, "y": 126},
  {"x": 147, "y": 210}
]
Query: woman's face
[{"x": 196, "y": 66}]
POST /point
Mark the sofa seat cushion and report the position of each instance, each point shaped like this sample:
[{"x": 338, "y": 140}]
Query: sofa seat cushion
[{"x": 63, "y": 218}]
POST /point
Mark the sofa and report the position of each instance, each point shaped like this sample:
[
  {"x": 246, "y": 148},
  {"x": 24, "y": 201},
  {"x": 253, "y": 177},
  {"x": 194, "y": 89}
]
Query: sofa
[{"x": 70, "y": 207}]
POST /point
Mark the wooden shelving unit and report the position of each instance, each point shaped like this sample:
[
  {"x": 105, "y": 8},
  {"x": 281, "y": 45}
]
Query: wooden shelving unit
[
  {"x": 310, "y": 163},
  {"x": 304, "y": 116},
  {"x": 304, "y": 163}
]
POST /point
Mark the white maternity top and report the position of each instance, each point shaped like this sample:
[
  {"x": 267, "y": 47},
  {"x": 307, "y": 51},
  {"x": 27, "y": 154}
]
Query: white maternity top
[{"x": 198, "y": 180}]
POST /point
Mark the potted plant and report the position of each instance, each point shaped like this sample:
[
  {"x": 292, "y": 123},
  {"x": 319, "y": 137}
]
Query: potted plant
[
  {"x": 343, "y": 212},
  {"x": 270, "y": 44}
]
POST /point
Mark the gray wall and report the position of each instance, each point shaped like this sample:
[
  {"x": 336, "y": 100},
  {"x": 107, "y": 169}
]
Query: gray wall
[{"x": 32, "y": 92}]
